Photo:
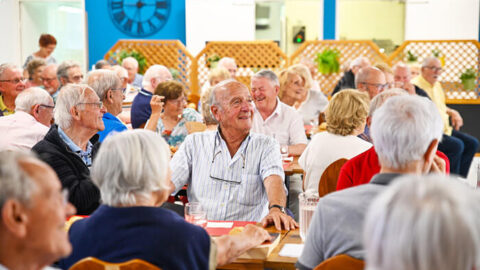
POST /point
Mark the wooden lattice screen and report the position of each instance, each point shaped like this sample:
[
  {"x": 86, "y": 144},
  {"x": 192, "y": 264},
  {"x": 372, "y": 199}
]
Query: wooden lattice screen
[
  {"x": 250, "y": 57},
  {"x": 170, "y": 53},
  {"x": 456, "y": 57},
  {"x": 349, "y": 50}
]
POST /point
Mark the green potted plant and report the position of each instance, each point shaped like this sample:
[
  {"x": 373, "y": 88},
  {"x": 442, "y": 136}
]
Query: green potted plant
[
  {"x": 327, "y": 61},
  {"x": 212, "y": 61},
  {"x": 411, "y": 58},
  {"x": 468, "y": 78}
]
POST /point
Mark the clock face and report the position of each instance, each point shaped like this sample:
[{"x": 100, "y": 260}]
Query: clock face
[{"x": 139, "y": 18}]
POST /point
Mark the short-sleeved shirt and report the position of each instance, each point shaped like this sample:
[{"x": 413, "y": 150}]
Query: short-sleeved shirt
[
  {"x": 141, "y": 109},
  {"x": 112, "y": 125},
  {"x": 177, "y": 135},
  {"x": 285, "y": 125},
  {"x": 314, "y": 104},
  {"x": 23, "y": 131},
  {"x": 229, "y": 188},
  {"x": 49, "y": 60}
]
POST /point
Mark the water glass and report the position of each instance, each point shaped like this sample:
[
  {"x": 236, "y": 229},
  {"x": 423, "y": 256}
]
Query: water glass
[
  {"x": 307, "y": 202},
  {"x": 478, "y": 176},
  {"x": 195, "y": 214}
]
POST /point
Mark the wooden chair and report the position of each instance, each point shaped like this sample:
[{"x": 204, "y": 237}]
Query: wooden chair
[
  {"x": 341, "y": 262},
  {"x": 91, "y": 263},
  {"x": 329, "y": 178},
  {"x": 193, "y": 127}
]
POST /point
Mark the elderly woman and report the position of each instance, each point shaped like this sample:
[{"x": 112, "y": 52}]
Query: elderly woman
[
  {"x": 296, "y": 90},
  {"x": 47, "y": 44},
  {"x": 346, "y": 116},
  {"x": 169, "y": 117},
  {"x": 132, "y": 172},
  {"x": 35, "y": 69},
  {"x": 423, "y": 223}
]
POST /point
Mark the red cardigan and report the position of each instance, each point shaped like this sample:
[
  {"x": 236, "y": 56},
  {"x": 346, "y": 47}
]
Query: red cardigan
[{"x": 360, "y": 169}]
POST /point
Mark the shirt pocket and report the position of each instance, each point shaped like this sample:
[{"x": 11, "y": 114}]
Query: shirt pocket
[{"x": 251, "y": 190}]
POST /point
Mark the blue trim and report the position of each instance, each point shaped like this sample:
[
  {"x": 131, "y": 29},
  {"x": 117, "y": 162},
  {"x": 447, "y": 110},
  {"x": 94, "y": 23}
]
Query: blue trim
[{"x": 329, "y": 14}]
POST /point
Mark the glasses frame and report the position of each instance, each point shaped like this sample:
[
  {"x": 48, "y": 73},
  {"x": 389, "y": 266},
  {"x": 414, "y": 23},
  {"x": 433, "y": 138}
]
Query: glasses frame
[
  {"x": 47, "y": 106},
  {"x": 379, "y": 86},
  {"x": 99, "y": 104},
  {"x": 435, "y": 69},
  {"x": 15, "y": 81},
  {"x": 215, "y": 154}
]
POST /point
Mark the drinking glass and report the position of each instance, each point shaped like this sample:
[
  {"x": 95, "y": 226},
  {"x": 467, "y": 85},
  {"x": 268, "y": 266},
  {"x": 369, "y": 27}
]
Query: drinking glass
[
  {"x": 478, "y": 176},
  {"x": 195, "y": 214},
  {"x": 307, "y": 202}
]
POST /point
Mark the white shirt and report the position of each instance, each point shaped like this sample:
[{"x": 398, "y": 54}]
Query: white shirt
[
  {"x": 284, "y": 124},
  {"x": 324, "y": 149},
  {"x": 228, "y": 188},
  {"x": 314, "y": 104},
  {"x": 21, "y": 131}
]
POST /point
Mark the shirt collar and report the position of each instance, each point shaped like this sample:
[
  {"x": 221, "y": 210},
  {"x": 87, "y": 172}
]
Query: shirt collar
[
  {"x": 277, "y": 111},
  {"x": 75, "y": 148},
  {"x": 145, "y": 92},
  {"x": 3, "y": 107},
  {"x": 220, "y": 141}
]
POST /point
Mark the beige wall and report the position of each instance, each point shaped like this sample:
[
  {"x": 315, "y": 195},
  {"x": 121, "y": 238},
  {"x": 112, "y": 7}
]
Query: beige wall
[{"x": 303, "y": 12}]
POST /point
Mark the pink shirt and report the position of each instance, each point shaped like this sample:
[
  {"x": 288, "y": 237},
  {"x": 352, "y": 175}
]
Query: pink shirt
[{"x": 20, "y": 131}]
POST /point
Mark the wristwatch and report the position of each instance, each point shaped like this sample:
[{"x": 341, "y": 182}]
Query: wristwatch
[
  {"x": 284, "y": 149},
  {"x": 277, "y": 206}
]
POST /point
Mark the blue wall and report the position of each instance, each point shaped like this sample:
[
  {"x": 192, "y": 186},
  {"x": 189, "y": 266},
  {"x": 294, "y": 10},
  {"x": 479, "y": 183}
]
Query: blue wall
[
  {"x": 103, "y": 34},
  {"x": 329, "y": 14}
]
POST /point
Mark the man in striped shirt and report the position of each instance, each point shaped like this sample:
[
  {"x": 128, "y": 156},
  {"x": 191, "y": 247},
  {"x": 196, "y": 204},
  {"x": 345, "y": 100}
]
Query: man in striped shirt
[{"x": 233, "y": 173}]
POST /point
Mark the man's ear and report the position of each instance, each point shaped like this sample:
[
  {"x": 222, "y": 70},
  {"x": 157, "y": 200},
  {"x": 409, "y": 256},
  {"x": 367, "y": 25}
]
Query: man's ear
[
  {"x": 14, "y": 218},
  {"x": 369, "y": 121},
  {"x": 75, "y": 112},
  {"x": 214, "y": 110},
  {"x": 34, "y": 110},
  {"x": 429, "y": 155},
  {"x": 277, "y": 89}
]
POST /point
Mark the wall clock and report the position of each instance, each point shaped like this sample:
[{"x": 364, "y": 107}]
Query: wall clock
[{"x": 139, "y": 18}]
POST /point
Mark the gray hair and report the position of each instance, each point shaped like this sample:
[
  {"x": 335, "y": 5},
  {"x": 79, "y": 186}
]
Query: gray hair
[
  {"x": 427, "y": 60},
  {"x": 102, "y": 80},
  {"x": 4, "y": 67},
  {"x": 70, "y": 95},
  {"x": 207, "y": 99},
  {"x": 225, "y": 60},
  {"x": 34, "y": 64},
  {"x": 131, "y": 165},
  {"x": 400, "y": 65},
  {"x": 364, "y": 74},
  {"x": 423, "y": 223},
  {"x": 358, "y": 61},
  {"x": 267, "y": 74},
  {"x": 120, "y": 71},
  {"x": 379, "y": 99},
  {"x": 31, "y": 97},
  {"x": 130, "y": 60},
  {"x": 15, "y": 183},
  {"x": 156, "y": 71},
  {"x": 403, "y": 128},
  {"x": 62, "y": 69},
  {"x": 221, "y": 86}
]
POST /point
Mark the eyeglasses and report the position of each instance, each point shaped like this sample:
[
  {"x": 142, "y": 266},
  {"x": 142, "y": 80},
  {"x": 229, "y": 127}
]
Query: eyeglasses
[
  {"x": 120, "y": 89},
  {"x": 47, "y": 106},
  {"x": 239, "y": 102},
  {"x": 178, "y": 102},
  {"x": 77, "y": 78},
  {"x": 99, "y": 105},
  {"x": 379, "y": 86},
  {"x": 49, "y": 79},
  {"x": 435, "y": 69},
  {"x": 15, "y": 81},
  {"x": 217, "y": 174}
]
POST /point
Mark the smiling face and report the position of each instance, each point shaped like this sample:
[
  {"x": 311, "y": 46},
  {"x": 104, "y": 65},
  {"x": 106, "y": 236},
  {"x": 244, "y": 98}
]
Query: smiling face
[
  {"x": 45, "y": 229},
  {"x": 89, "y": 113},
  {"x": 264, "y": 93},
  {"x": 8, "y": 87},
  {"x": 295, "y": 87},
  {"x": 37, "y": 75},
  {"x": 235, "y": 111}
]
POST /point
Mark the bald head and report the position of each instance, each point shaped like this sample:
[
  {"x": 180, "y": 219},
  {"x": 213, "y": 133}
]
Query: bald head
[
  {"x": 155, "y": 75},
  {"x": 229, "y": 64},
  {"x": 370, "y": 80},
  {"x": 359, "y": 63}
]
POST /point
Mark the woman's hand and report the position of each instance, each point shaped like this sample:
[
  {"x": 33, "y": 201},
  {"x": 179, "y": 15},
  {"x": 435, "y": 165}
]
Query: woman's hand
[{"x": 157, "y": 104}]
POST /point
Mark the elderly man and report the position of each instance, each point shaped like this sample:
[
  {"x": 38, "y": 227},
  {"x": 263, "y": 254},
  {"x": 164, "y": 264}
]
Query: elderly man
[
  {"x": 11, "y": 84},
  {"x": 348, "y": 79},
  {"x": 227, "y": 63},
  {"x": 30, "y": 122},
  {"x": 336, "y": 226},
  {"x": 108, "y": 87},
  {"x": 141, "y": 109},
  {"x": 459, "y": 147},
  {"x": 71, "y": 143},
  {"x": 33, "y": 210},
  {"x": 68, "y": 72},
  {"x": 49, "y": 79},
  {"x": 233, "y": 173},
  {"x": 402, "y": 77},
  {"x": 371, "y": 80},
  {"x": 131, "y": 65}
]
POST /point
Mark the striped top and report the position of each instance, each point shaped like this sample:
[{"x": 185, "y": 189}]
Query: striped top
[{"x": 229, "y": 188}]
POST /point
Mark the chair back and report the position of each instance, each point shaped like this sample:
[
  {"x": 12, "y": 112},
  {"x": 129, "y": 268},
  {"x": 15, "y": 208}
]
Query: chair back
[
  {"x": 91, "y": 263},
  {"x": 329, "y": 178},
  {"x": 341, "y": 262},
  {"x": 193, "y": 127}
]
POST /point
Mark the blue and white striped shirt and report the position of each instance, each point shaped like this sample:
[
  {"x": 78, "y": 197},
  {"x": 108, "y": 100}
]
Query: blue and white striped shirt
[{"x": 228, "y": 188}]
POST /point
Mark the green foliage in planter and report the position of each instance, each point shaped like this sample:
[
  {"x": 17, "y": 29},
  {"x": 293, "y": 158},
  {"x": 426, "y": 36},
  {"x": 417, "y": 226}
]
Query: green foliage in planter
[
  {"x": 327, "y": 61},
  {"x": 411, "y": 57},
  {"x": 468, "y": 78}
]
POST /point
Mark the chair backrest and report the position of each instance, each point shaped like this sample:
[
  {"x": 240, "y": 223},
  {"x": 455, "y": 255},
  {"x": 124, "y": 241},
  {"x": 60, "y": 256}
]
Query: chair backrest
[
  {"x": 91, "y": 263},
  {"x": 329, "y": 178},
  {"x": 193, "y": 127},
  {"x": 341, "y": 262}
]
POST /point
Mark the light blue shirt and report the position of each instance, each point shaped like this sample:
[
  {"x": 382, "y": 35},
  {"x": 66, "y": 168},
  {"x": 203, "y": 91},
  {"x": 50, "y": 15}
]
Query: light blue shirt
[
  {"x": 177, "y": 135},
  {"x": 86, "y": 156},
  {"x": 228, "y": 188}
]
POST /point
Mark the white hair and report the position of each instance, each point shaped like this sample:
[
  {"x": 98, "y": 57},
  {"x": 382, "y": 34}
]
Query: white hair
[
  {"x": 70, "y": 96},
  {"x": 6, "y": 66},
  {"x": 400, "y": 65},
  {"x": 153, "y": 72},
  {"x": 225, "y": 61},
  {"x": 15, "y": 182},
  {"x": 62, "y": 69},
  {"x": 102, "y": 80},
  {"x": 403, "y": 128},
  {"x": 31, "y": 97},
  {"x": 131, "y": 165},
  {"x": 427, "y": 60},
  {"x": 131, "y": 60},
  {"x": 379, "y": 99},
  {"x": 267, "y": 74},
  {"x": 423, "y": 223},
  {"x": 120, "y": 71},
  {"x": 358, "y": 61}
]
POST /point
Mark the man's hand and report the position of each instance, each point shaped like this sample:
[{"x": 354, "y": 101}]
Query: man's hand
[
  {"x": 438, "y": 165},
  {"x": 276, "y": 217},
  {"x": 255, "y": 234},
  {"x": 456, "y": 118}
]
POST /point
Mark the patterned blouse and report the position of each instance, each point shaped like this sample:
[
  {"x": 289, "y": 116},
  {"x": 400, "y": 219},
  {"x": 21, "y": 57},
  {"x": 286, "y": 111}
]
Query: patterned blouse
[{"x": 176, "y": 136}]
